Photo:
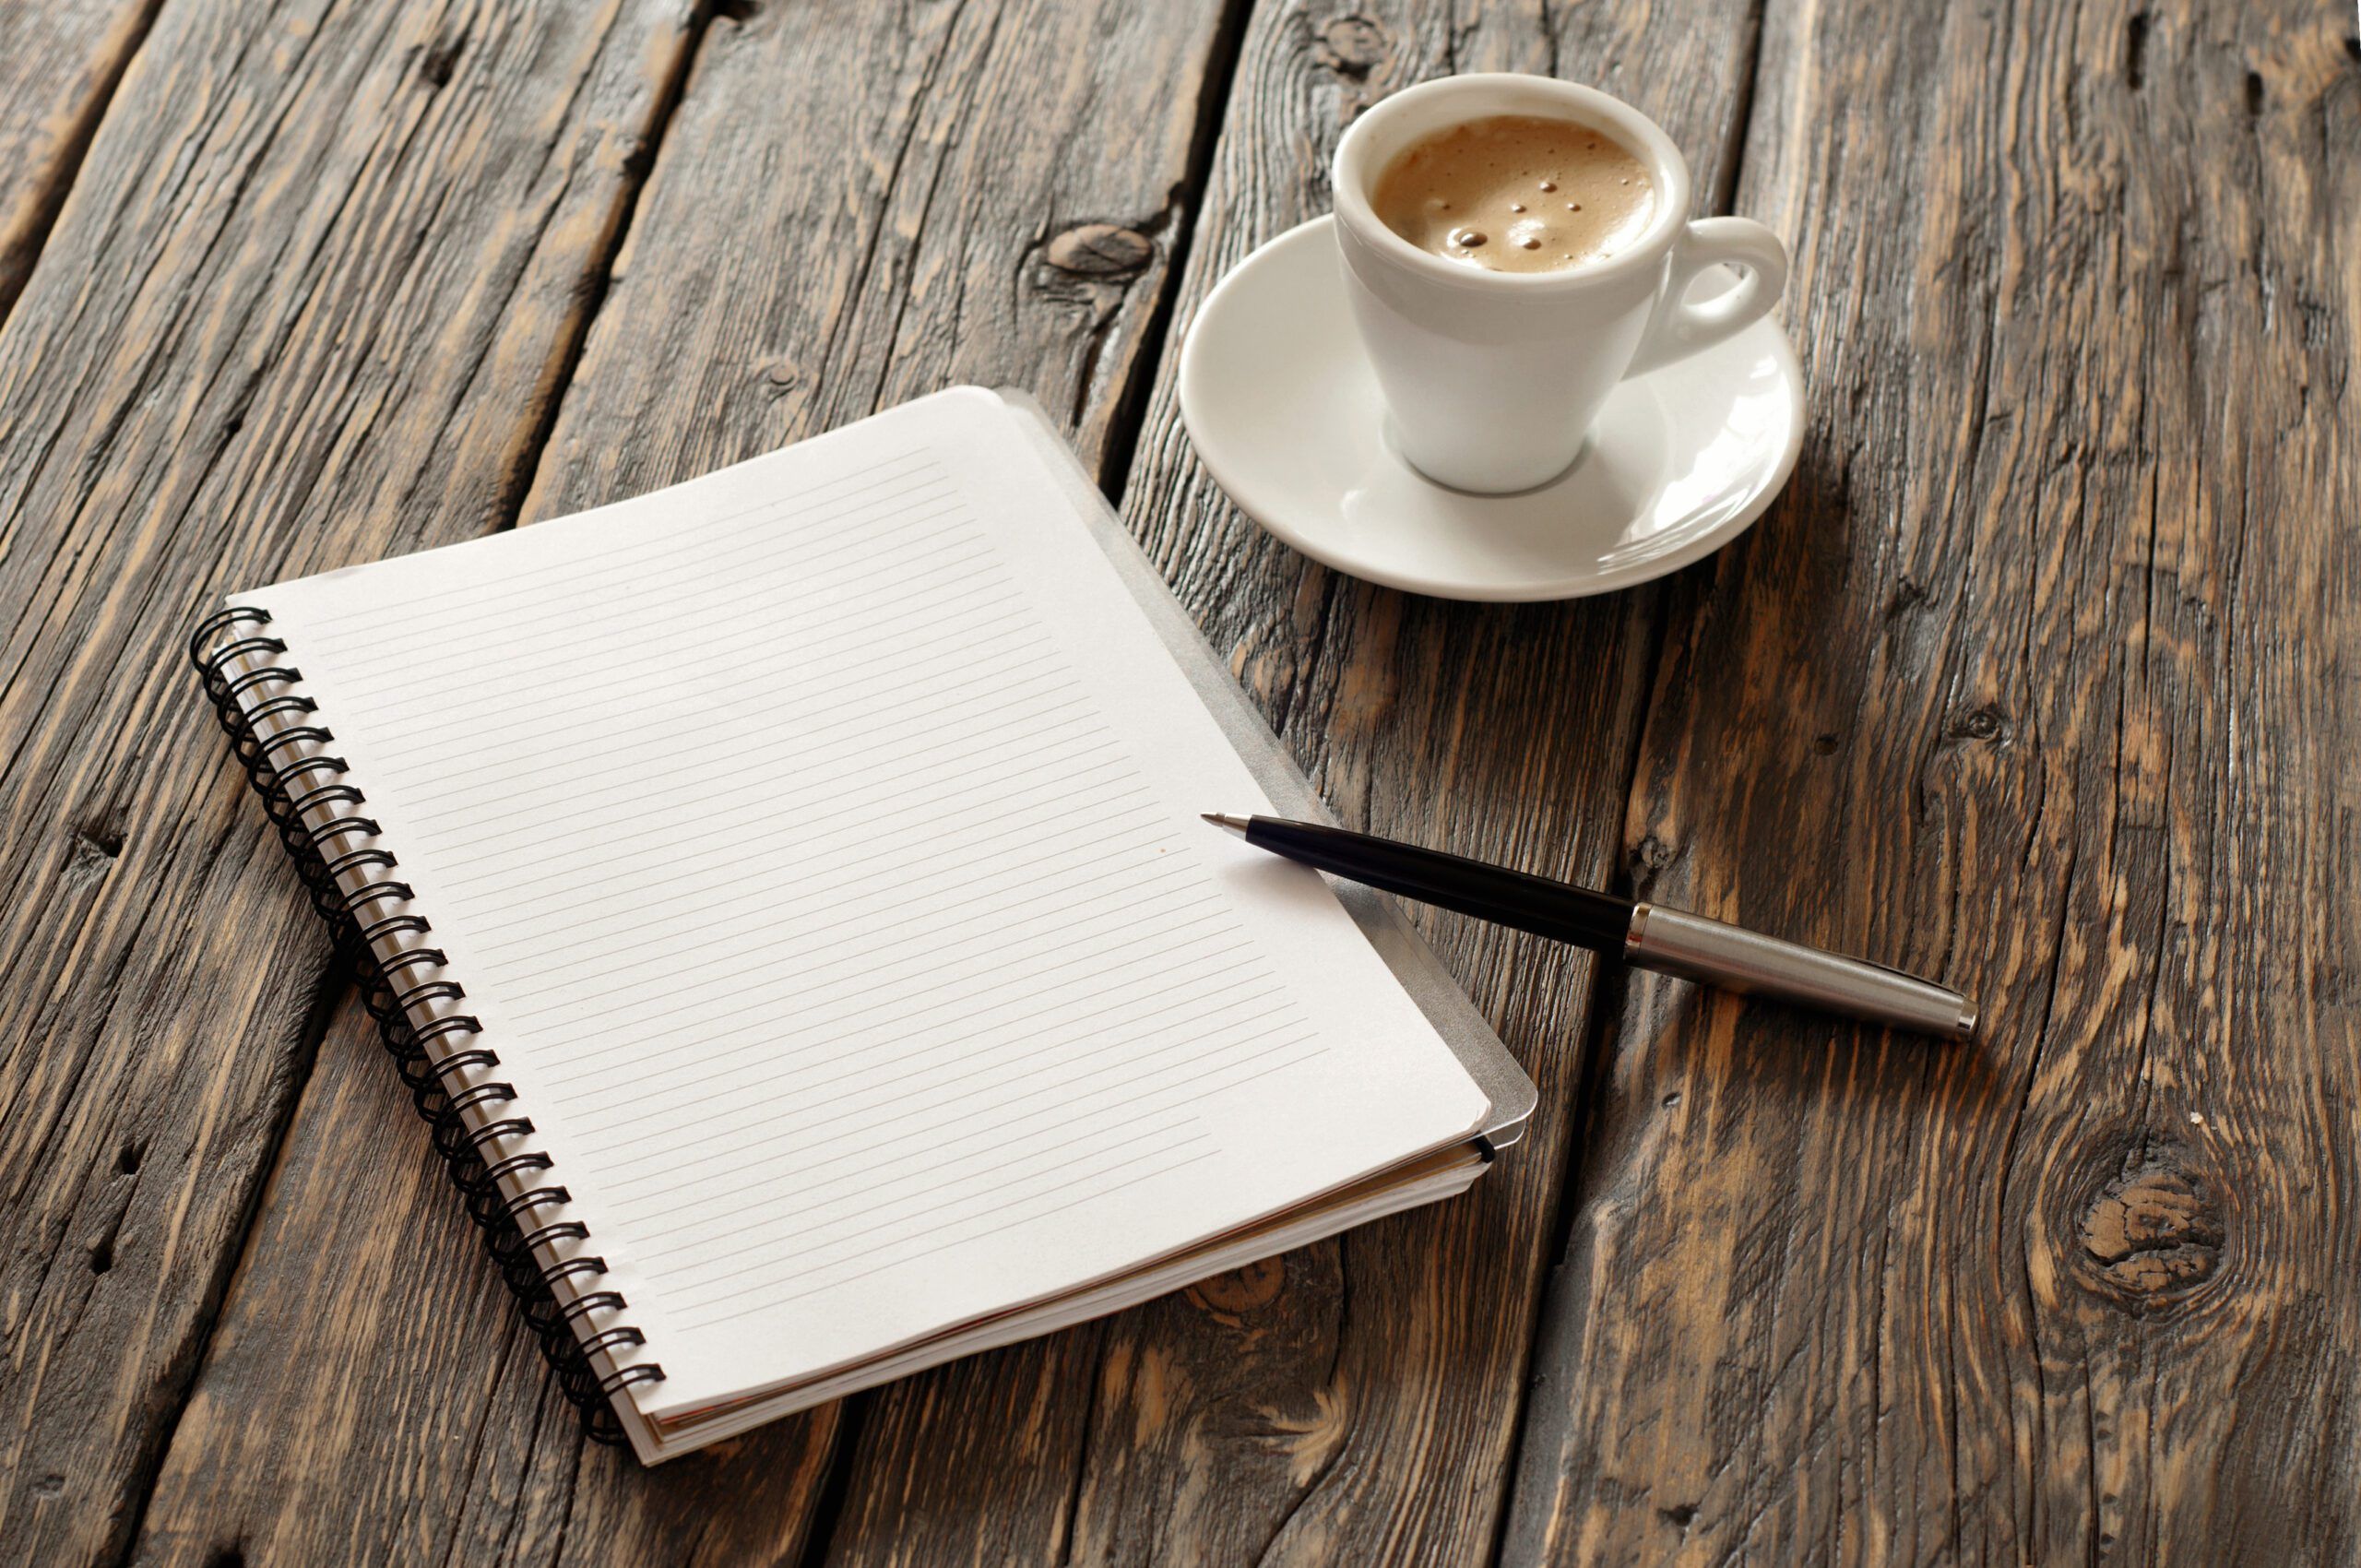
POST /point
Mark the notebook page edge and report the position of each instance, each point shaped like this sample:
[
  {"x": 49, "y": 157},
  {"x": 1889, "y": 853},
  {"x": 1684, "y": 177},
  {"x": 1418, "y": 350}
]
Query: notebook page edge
[{"x": 1154, "y": 1278}]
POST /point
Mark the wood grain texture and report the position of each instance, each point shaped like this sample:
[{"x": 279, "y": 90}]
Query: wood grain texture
[
  {"x": 59, "y": 65},
  {"x": 2043, "y": 677},
  {"x": 318, "y": 277},
  {"x": 1356, "y": 1401},
  {"x": 902, "y": 220}
]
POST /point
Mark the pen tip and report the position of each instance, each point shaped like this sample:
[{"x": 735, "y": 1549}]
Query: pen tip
[{"x": 1235, "y": 823}]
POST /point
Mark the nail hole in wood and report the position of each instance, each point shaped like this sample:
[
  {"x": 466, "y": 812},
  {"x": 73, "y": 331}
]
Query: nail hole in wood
[
  {"x": 126, "y": 1160},
  {"x": 103, "y": 1254},
  {"x": 100, "y": 839},
  {"x": 436, "y": 65},
  {"x": 2254, "y": 96},
  {"x": 90, "y": 849},
  {"x": 2135, "y": 50},
  {"x": 739, "y": 11},
  {"x": 1825, "y": 745}
]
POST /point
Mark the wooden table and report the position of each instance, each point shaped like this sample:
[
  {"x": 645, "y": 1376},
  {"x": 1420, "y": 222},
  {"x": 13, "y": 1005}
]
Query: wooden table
[{"x": 2046, "y": 672}]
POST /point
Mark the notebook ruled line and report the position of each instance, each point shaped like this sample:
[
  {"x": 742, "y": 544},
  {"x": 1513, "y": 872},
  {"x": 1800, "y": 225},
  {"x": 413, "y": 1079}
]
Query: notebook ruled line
[
  {"x": 640, "y": 608},
  {"x": 879, "y": 1220},
  {"x": 946, "y": 941},
  {"x": 1005, "y": 891},
  {"x": 1202, "y": 911},
  {"x": 765, "y": 541},
  {"x": 631, "y": 638},
  {"x": 762, "y": 808},
  {"x": 681, "y": 1242},
  {"x": 1090, "y": 1194},
  {"x": 1042, "y": 1064},
  {"x": 427, "y": 682},
  {"x": 694, "y": 1263},
  {"x": 603, "y": 1099},
  {"x": 659, "y": 670},
  {"x": 711, "y": 747},
  {"x": 601, "y": 562},
  {"x": 1024, "y": 663},
  {"x": 722, "y": 1182},
  {"x": 1070, "y": 1121},
  {"x": 633, "y": 906}
]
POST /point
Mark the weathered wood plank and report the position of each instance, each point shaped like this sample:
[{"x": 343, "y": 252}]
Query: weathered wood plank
[
  {"x": 59, "y": 65},
  {"x": 899, "y": 221},
  {"x": 1357, "y": 1401},
  {"x": 2046, "y": 676},
  {"x": 320, "y": 272}
]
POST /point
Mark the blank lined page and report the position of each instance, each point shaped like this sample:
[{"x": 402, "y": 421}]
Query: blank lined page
[{"x": 818, "y": 844}]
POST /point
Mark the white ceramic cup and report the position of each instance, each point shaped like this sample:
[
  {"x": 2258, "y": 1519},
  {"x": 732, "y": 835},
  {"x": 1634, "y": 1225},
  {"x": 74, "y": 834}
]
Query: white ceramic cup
[{"x": 1493, "y": 378}]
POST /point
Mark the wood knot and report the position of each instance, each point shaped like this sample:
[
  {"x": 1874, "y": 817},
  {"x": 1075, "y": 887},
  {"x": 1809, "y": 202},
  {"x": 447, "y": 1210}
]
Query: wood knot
[
  {"x": 1986, "y": 722},
  {"x": 1352, "y": 46},
  {"x": 1101, "y": 250},
  {"x": 1232, "y": 1297},
  {"x": 2150, "y": 1235}
]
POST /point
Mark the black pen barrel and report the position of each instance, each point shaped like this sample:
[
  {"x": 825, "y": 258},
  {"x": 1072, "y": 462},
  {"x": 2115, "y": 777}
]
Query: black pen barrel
[{"x": 1555, "y": 910}]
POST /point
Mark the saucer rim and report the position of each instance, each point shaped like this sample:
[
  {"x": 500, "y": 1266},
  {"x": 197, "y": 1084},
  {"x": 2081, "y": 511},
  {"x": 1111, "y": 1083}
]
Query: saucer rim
[{"x": 1581, "y": 584}]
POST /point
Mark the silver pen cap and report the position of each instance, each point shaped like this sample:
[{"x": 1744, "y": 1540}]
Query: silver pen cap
[{"x": 1730, "y": 958}]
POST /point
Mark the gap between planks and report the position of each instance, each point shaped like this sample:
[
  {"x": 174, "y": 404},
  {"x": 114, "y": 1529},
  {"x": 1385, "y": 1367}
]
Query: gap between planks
[
  {"x": 17, "y": 261},
  {"x": 1129, "y": 417},
  {"x": 335, "y": 983},
  {"x": 1603, "y": 1007}
]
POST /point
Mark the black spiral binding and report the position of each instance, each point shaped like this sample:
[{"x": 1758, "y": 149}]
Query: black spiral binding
[{"x": 409, "y": 990}]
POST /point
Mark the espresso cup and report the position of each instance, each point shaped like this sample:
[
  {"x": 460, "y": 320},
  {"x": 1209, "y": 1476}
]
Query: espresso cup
[{"x": 1493, "y": 379}]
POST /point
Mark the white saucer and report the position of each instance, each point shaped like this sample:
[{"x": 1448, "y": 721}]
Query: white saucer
[{"x": 1286, "y": 415}]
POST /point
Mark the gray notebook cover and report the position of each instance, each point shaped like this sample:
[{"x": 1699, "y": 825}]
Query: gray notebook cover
[{"x": 1404, "y": 952}]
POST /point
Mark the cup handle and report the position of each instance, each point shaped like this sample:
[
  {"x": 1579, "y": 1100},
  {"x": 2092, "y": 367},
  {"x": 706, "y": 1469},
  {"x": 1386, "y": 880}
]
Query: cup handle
[{"x": 1680, "y": 328}]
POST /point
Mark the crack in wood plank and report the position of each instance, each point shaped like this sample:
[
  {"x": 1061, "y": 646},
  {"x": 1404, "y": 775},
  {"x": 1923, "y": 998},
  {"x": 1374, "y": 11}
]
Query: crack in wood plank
[{"x": 59, "y": 68}]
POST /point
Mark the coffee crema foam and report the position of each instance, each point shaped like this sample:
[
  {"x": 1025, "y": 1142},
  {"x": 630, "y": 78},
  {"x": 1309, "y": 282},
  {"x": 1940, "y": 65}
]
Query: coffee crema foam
[{"x": 1517, "y": 192}]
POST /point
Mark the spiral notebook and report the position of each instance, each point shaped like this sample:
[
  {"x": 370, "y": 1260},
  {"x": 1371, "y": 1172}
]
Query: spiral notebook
[{"x": 784, "y": 895}]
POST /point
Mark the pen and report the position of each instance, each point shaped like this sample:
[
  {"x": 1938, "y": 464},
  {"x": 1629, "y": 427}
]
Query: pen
[{"x": 1649, "y": 936}]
